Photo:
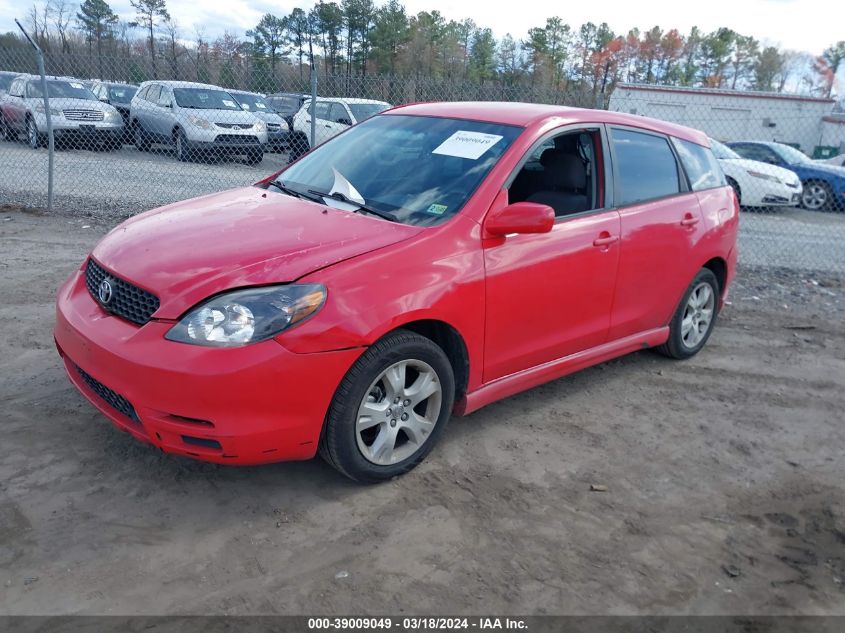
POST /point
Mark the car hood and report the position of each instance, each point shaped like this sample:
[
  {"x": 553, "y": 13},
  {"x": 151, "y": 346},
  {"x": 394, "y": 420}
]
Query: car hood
[
  {"x": 830, "y": 170},
  {"x": 188, "y": 251},
  {"x": 786, "y": 175}
]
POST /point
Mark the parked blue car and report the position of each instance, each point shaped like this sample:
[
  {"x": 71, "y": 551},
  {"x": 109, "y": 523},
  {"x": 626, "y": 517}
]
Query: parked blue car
[{"x": 824, "y": 185}]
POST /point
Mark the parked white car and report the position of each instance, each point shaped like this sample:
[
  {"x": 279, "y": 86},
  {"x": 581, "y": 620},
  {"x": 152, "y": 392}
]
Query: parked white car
[
  {"x": 75, "y": 113},
  {"x": 195, "y": 118},
  {"x": 757, "y": 184},
  {"x": 333, "y": 115}
]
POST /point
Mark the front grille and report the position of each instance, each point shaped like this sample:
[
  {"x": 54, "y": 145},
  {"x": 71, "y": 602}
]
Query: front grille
[
  {"x": 126, "y": 301},
  {"x": 273, "y": 127},
  {"x": 236, "y": 139},
  {"x": 237, "y": 126},
  {"x": 83, "y": 115},
  {"x": 111, "y": 398}
]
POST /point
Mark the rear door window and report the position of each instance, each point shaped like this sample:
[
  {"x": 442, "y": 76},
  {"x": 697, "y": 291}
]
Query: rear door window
[
  {"x": 702, "y": 169},
  {"x": 646, "y": 168}
]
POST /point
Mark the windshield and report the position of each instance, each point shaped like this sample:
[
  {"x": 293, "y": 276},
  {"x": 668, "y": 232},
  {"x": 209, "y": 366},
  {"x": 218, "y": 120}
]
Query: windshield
[
  {"x": 421, "y": 170},
  {"x": 790, "y": 154},
  {"x": 363, "y": 111},
  {"x": 204, "y": 99},
  {"x": 60, "y": 89},
  {"x": 722, "y": 151},
  {"x": 122, "y": 94},
  {"x": 286, "y": 104},
  {"x": 253, "y": 103}
]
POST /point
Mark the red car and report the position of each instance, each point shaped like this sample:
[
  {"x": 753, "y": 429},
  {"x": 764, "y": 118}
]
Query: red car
[{"x": 430, "y": 260}]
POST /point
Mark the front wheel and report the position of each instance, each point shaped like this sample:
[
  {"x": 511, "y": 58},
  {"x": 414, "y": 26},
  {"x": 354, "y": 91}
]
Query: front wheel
[
  {"x": 816, "y": 195},
  {"x": 390, "y": 408},
  {"x": 694, "y": 318},
  {"x": 180, "y": 142},
  {"x": 142, "y": 143},
  {"x": 33, "y": 138}
]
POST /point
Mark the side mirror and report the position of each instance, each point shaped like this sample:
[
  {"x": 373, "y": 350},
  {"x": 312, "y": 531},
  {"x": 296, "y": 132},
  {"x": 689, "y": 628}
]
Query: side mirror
[
  {"x": 104, "y": 99},
  {"x": 344, "y": 121},
  {"x": 520, "y": 217}
]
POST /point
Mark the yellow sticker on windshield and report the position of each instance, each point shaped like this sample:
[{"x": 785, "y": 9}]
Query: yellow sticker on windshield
[{"x": 437, "y": 209}]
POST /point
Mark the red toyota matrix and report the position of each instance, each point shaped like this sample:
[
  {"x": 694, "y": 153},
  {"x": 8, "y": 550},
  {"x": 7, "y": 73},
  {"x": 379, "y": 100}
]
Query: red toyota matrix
[{"x": 429, "y": 261}]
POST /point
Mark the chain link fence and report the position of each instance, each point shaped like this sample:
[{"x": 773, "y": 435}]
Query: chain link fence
[{"x": 126, "y": 142}]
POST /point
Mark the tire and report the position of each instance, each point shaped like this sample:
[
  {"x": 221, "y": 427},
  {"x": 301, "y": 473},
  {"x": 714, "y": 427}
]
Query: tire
[
  {"x": 816, "y": 195},
  {"x": 180, "y": 144},
  {"x": 298, "y": 146},
  {"x": 400, "y": 441},
  {"x": 142, "y": 143},
  {"x": 254, "y": 158},
  {"x": 681, "y": 344},
  {"x": 735, "y": 186},
  {"x": 33, "y": 138},
  {"x": 6, "y": 133}
]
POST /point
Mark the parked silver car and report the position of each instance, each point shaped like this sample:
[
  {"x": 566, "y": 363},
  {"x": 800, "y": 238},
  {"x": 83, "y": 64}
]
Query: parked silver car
[
  {"x": 277, "y": 127},
  {"x": 195, "y": 119},
  {"x": 75, "y": 113}
]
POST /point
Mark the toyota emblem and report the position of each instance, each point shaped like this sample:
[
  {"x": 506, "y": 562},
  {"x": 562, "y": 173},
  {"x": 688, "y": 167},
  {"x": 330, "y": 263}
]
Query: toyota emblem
[{"x": 104, "y": 292}]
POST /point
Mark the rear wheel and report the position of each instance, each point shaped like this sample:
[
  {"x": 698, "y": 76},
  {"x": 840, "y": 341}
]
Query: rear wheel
[
  {"x": 694, "y": 317},
  {"x": 816, "y": 195},
  {"x": 390, "y": 408}
]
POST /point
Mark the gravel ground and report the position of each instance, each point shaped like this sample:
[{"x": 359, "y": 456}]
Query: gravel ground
[
  {"x": 119, "y": 184},
  {"x": 724, "y": 479}
]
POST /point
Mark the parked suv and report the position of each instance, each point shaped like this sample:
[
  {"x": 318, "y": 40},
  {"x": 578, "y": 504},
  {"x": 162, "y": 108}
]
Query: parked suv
[
  {"x": 823, "y": 185},
  {"x": 429, "y": 261},
  {"x": 277, "y": 127},
  {"x": 120, "y": 96},
  {"x": 195, "y": 119},
  {"x": 333, "y": 116},
  {"x": 75, "y": 113}
]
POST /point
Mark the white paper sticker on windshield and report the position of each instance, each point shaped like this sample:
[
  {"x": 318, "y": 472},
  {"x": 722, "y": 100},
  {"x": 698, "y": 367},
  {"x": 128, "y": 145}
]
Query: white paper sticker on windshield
[
  {"x": 464, "y": 144},
  {"x": 76, "y": 85},
  {"x": 230, "y": 103}
]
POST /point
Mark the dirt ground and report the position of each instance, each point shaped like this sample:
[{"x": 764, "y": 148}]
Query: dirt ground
[{"x": 724, "y": 480}]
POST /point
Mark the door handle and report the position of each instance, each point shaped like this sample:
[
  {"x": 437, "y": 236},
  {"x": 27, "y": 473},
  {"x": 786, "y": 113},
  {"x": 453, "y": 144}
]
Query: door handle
[
  {"x": 327, "y": 125},
  {"x": 689, "y": 220},
  {"x": 605, "y": 240}
]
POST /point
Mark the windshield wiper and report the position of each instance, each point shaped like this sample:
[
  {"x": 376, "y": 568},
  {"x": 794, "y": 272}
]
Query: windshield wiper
[
  {"x": 278, "y": 184},
  {"x": 360, "y": 207}
]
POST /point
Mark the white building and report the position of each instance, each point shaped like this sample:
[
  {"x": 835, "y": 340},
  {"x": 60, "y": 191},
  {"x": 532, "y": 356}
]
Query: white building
[{"x": 734, "y": 115}]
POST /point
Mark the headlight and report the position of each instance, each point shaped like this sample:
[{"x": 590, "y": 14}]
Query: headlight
[
  {"x": 260, "y": 125},
  {"x": 113, "y": 115},
  {"x": 248, "y": 316},
  {"x": 759, "y": 174},
  {"x": 39, "y": 107},
  {"x": 200, "y": 122}
]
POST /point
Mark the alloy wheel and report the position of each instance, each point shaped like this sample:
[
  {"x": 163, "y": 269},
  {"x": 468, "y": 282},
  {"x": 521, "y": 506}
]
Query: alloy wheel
[
  {"x": 814, "y": 196},
  {"x": 698, "y": 315},
  {"x": 32, "y": 134},
  {"x": 398, "y": 412}
]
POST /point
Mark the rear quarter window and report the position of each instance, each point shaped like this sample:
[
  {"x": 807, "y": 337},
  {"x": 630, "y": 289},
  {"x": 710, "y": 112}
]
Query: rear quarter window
[
  {"x": 646, "y": 168},
  {"x": 702, "y": 169}
]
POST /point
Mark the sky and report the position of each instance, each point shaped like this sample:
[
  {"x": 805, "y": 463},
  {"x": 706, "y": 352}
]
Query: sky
[{"x": 803, "y": 25}]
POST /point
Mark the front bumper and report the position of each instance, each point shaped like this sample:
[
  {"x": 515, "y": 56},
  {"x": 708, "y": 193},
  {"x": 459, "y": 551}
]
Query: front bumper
[
  {"x": 249, "y": 405},
  {"x": 228, "y": 143}
]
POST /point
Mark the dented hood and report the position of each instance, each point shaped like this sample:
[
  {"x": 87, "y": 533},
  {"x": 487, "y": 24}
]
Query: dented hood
[{"x": 188, "y": 251}]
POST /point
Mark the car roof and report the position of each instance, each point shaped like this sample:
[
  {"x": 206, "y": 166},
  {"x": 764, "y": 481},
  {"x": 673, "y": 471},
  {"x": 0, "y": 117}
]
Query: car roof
[
  {"x": 244, "y": 92},
  {"x": 349, "y": 100},
  {"x": 527, "y": 114},
  {"x": 180, "y": 84}
]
